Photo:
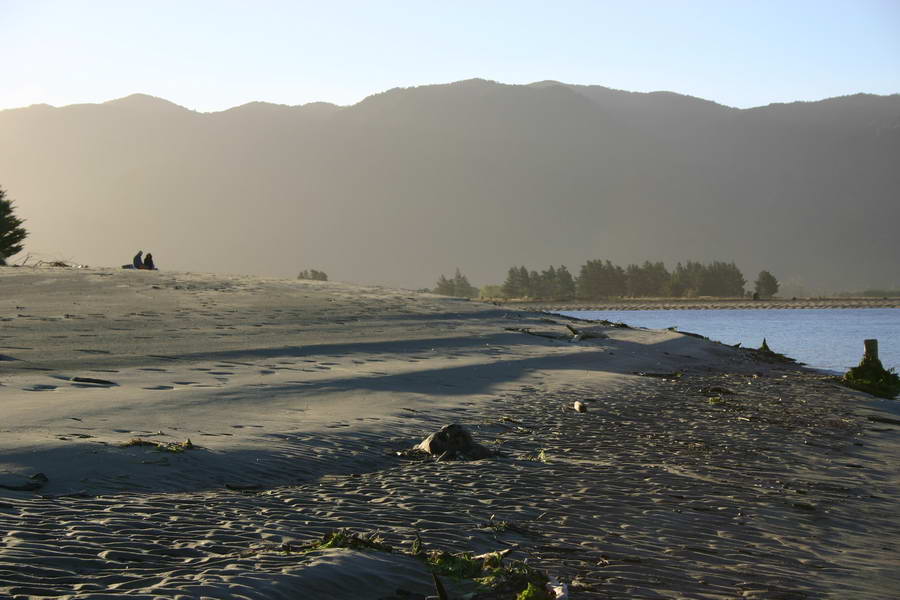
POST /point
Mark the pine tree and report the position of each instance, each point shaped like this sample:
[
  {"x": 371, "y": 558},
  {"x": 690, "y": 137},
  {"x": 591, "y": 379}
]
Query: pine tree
[
  {"x": 766, "y": 285},
  {"x": 510, "y": 287},
  {"x": 565, "y": 284},
  {"x": 462, "y": 287},
  {"x": 12, "y": 234},
  {"x": 458, "y": 286},
  {"x": 444, "y": 286}
]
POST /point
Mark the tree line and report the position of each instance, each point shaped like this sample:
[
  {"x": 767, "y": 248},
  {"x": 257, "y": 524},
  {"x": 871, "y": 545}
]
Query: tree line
[{"x": 602, "y": 279}]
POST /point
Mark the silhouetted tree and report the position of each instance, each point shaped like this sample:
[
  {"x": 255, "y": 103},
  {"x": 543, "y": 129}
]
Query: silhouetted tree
[
  {"x": 443, "y": 286},
  {"x": 12, "y": 234},
  {"x": 462, "y": 287},
  {"x": 600, "y": 280},
  {"x": 766, "y": 285},
  {"x": 723, "y": 279},
  {"x": 650, "y": 279},
  {"x": 458, "y": 286},
  {"x": 517, "y": 284},
  {"x": 313, "y": 274},
  {"x": 565, "y": 284},
  {"x": 715, "y": 279}
]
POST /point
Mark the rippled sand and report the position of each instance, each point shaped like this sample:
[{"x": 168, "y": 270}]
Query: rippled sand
[{"x": 740, "y": 478}]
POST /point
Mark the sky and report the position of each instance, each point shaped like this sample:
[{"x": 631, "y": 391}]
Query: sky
[{"x": 213, "y": 55}]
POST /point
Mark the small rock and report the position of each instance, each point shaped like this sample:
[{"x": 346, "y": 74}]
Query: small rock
[{"x": 579, "y": 406}]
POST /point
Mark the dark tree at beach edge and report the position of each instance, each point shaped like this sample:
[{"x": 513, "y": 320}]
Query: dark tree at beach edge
[{"x": 12, "y": 234}]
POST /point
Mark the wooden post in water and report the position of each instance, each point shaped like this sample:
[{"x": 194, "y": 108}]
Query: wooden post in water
[{"x": 871, "y": 350}]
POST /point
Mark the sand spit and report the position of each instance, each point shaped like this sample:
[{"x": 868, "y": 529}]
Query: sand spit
[
  {"x": 713, "y": 475},
  {"x": 710, "y": 304}
]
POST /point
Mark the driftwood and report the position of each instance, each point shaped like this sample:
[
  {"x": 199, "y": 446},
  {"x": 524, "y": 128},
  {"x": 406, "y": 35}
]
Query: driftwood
[
  {"x": 439, "y": 587},
  {"x": 675, "y": 375},
  {"x": 543, "y": 334},
  {"x": 578, "y": 334}
]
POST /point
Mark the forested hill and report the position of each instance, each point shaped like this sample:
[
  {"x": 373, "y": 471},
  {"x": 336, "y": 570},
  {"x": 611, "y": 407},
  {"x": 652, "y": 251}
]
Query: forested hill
[{"x": 474, "y": 174}]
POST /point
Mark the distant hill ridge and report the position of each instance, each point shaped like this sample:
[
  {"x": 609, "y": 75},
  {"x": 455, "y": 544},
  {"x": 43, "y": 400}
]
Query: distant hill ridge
[{"x": 413, "y": 182}]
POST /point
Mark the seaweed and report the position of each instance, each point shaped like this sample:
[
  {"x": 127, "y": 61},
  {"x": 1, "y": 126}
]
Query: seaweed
[
  {"x": 532, "y": 592},
  {"x": 175, "y": 447},
  {"x": 494, "y": 578},
  {"x": 343, "y": 538},
  {"x": 540, "y": 456}
]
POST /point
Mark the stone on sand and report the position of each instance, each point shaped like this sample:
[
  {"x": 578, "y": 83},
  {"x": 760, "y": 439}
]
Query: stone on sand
[{"x": 453, "y": 442}]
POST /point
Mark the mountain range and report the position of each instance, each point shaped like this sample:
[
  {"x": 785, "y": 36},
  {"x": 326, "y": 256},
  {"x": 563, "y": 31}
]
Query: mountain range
[{"x": 415, "y": 182}]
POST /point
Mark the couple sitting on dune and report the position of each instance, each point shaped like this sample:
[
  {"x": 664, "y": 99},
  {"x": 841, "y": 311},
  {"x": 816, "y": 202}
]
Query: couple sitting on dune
[{"x": 137, "y": 263}]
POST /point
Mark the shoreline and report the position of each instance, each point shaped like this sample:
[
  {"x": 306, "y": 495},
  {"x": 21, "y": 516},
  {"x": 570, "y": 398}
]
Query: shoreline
[
  {"x": 708, "y": 304},
  {"x": 698, "y": 469}
]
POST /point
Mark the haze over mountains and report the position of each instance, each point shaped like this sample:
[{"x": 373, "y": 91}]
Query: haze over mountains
[{"x": 412, "y": 183}]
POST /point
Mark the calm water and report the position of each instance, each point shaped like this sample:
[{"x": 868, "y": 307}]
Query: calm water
[{"x": 828, "y": 339}]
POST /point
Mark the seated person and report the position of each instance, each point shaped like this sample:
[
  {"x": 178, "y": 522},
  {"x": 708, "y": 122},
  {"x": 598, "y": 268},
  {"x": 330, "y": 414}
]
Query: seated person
[
  {"x": 137, "y": 262},
  {"x": 148, "y": 262}
]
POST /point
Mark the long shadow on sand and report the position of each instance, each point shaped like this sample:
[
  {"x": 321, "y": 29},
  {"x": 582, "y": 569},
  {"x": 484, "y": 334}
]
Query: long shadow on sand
[{"x": 480, "y": 378}]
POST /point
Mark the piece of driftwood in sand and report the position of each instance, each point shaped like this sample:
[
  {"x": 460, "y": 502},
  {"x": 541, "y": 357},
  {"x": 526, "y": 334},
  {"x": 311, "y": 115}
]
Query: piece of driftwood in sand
[
  {"x": 581, "y": 334},
  {"x": 452, "y": 442},
  {"x": 544, "y": 334},
  {"x": 577, "y": 334}
]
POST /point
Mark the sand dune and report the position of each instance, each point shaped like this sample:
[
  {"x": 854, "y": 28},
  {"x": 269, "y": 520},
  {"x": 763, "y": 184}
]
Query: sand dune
[{"x": 740, "y": 478}]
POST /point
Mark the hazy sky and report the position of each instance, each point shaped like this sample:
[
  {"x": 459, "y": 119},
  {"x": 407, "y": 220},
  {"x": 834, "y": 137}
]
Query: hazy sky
[{"x": 211, "y": 55}]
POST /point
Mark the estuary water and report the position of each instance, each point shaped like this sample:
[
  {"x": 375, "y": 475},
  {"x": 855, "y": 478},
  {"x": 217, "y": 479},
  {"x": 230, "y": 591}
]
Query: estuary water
[{"x": 827, "y": 339}]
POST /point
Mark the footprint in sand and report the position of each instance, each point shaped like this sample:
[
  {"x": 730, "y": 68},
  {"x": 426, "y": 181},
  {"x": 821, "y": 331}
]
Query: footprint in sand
[{"x": 160, "y": 387}]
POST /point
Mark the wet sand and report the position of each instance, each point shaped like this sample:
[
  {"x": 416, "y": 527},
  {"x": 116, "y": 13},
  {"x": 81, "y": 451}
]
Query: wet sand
[{"x": 713, "y": 474}]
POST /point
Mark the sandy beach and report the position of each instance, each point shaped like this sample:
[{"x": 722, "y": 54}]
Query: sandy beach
[{"x": 697, "y": 471}]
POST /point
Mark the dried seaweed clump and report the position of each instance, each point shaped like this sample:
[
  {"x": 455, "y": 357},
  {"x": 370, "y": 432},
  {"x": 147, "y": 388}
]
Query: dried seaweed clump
[
  {"x": 343, "y": 538},
  {"x": 494, "y": 577},
  {"x": 161, "y": 446}
]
